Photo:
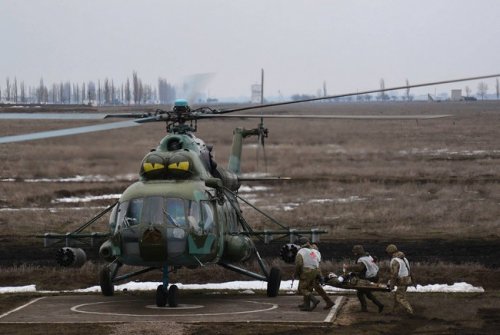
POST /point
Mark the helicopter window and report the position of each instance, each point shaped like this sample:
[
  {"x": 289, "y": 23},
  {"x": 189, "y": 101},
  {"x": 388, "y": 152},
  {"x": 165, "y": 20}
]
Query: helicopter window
[
  {"x": 207, "y": 217},
  {"x": 129, "y": 213},
  {"x": 133, "y": 215},
  {"x": 158, "y": 210},
  {"x": 174, "y": 144},
  {"x": 194, "y": 217},
  {"x": 154, "y": 209},
  {"x": 112, "y": 218},
  {"x": 175, "y": 212}
]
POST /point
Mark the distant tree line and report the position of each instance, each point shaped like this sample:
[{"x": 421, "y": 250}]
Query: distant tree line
[
  {"x": 482, "y": 92},
  {"x": 105, "y": 93}
]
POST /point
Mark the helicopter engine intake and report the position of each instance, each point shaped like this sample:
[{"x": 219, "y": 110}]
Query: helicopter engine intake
[
  {"x": 238, "y": 248},
  {"x": 71, "y": 257},
  {"x": 106, "y": 251}
]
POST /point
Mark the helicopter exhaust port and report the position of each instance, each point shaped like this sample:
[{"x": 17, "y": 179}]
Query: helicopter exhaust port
[
  {"x": 288, "y": 252},
  {"x": 71, "y": 257}
]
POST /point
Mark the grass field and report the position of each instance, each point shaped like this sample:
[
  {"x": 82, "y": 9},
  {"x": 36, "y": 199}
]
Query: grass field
[
  {"x": 405, "y": 179},
  {"x": 360, "y": 180}
]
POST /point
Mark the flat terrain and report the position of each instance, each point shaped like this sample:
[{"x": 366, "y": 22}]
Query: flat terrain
[
  {"x": 356, "y": 178},
  {"x": 206, "y": 313},
  {"x": 430, "y": 186}
]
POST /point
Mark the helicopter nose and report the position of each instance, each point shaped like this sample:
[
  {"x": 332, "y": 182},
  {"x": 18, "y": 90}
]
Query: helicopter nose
[
  {"x": 152, "y": 245},
  {"x": 160, "y": 244}
]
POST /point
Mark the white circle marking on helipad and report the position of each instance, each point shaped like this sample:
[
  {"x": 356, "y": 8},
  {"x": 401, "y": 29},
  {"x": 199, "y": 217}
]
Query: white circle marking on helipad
[{"x": 78, "y": 309}]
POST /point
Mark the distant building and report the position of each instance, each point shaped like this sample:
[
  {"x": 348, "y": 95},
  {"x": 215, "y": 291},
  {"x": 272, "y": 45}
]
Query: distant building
[
  {"x": 456, "y": 95},
  {"x": 256, "y": 93}
]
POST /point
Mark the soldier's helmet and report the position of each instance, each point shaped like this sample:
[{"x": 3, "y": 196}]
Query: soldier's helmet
[
  {"x": 358, "y": 250},
  {"x": 303, "y": 241},
  {"x": 391, "y": 248}
]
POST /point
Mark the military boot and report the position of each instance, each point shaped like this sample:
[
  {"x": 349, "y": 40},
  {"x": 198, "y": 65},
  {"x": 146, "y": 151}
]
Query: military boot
[
  {"x": 329, "y": 303},
  {"x": 314, "y": 302},
  {"x": 362, "y": 301},
  {"x": 306, "y": 306}
]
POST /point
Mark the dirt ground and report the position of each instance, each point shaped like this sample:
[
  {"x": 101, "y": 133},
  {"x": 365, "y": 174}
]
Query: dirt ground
[
  {"x": 431, "y": 186},
  {"x": 435, "y": 313}
]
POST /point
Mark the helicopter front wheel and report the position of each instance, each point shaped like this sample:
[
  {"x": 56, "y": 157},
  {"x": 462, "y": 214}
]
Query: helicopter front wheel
[
  {"x": 273, "y": 282},
  {"x": 106, "y": 282},
  {"x": 172, "y": 296},
  {"x": 161, "y": 296}
]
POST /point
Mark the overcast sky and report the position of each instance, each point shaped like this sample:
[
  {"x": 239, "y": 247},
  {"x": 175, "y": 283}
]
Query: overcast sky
[{"x": 349, "y": 44}]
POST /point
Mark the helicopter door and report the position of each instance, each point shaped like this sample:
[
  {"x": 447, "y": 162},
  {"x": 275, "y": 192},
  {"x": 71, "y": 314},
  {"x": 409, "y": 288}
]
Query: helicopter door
[
  {"x": 203, "y": 239},
  {"x": 129, "y": 216}
]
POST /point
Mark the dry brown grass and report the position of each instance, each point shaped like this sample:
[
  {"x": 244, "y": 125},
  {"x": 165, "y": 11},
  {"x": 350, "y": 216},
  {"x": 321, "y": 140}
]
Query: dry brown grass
[{"x": 426, "y": 179}]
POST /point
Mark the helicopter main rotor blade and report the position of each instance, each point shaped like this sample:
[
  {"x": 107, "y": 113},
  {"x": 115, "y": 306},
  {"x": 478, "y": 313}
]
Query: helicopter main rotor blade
[
  {"x": 52, "y": 116},
  {"x": 223, "y": 111},
  {"x": 72, "y": 116},
  {"x": 348, "y": 117},
  {"x": 74, "y": 131}
]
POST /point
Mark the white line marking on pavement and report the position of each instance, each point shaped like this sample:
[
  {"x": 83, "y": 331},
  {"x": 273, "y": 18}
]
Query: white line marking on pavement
[
  {"x": 334, "y": 310},
  {"x": 21, "y": 307}
]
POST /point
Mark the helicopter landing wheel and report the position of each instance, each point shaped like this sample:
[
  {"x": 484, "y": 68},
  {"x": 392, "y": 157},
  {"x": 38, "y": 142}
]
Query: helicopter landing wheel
[
  {"x": 172, "y": 296},
  {"x": 106, "y": 283},
  {"x": 161, "y": 296},
  {"x": 273, "y": 282}
]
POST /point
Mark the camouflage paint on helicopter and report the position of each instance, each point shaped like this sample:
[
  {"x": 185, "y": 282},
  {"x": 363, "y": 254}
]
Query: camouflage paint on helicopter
[
  {"x": 177, "y": 216},
  {"x": 181, "y": 212}
]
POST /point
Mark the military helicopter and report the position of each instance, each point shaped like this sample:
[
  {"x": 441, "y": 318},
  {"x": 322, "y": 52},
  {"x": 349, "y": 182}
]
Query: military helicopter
[{"x": 184, "y": 211}]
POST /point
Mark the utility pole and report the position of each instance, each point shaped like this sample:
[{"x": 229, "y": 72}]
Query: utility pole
[{"x": 262, "y": 86}]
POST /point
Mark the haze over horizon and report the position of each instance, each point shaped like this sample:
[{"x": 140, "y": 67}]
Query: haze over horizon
[{"x": 300, "y": 44}]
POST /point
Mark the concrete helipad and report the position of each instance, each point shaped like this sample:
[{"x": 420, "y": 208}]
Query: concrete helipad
[{"x": 194, "y": 308}]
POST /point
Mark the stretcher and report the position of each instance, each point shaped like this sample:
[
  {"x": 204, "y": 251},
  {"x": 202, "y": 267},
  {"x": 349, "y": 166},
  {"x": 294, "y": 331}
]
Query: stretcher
[{"x": 351, "y": 281}]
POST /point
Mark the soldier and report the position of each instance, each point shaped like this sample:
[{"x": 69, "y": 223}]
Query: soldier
[
  {"x": 400, "y": 277},
  {"x": 319, "y": 288},
  {"x": 365, "y": 268},
  {"x": 307, "y": 270}
]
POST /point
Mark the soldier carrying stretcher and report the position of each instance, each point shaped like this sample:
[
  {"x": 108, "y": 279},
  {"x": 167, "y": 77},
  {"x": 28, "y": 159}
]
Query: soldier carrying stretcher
[{"x": 365, "y": 268}]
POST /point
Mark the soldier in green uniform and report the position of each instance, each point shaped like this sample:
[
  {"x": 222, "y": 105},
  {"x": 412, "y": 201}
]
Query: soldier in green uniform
[
  {"x": 318, "y": 288},
  {"x": 400, "y": 277},
  {"x": 307, "y": 270},
  {"x": 365, "y": 268}
]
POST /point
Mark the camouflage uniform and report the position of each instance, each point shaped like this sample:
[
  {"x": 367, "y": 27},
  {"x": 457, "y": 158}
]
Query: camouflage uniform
[
  {"x": 319, "y": 288},
  {"x": 307, "y": 270},
  {"x": 365, "y": 268},
  {"x": 400, "y": 277}
]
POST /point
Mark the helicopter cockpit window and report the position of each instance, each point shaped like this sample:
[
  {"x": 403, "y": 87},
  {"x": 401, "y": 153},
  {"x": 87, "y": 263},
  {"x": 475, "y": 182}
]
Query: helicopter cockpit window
[
  {"x": 112, "y": 218},
  {"x": 154, "y": 210},
  {"x": 207, "y": 214},
  {"x": 129, "y": 213},
  {"x": 175, "y": 212},
  {"x": 194, "y": 217}
]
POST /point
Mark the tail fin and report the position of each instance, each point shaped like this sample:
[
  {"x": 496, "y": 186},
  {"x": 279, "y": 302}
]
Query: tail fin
[{"x": 234, "y": 164}]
